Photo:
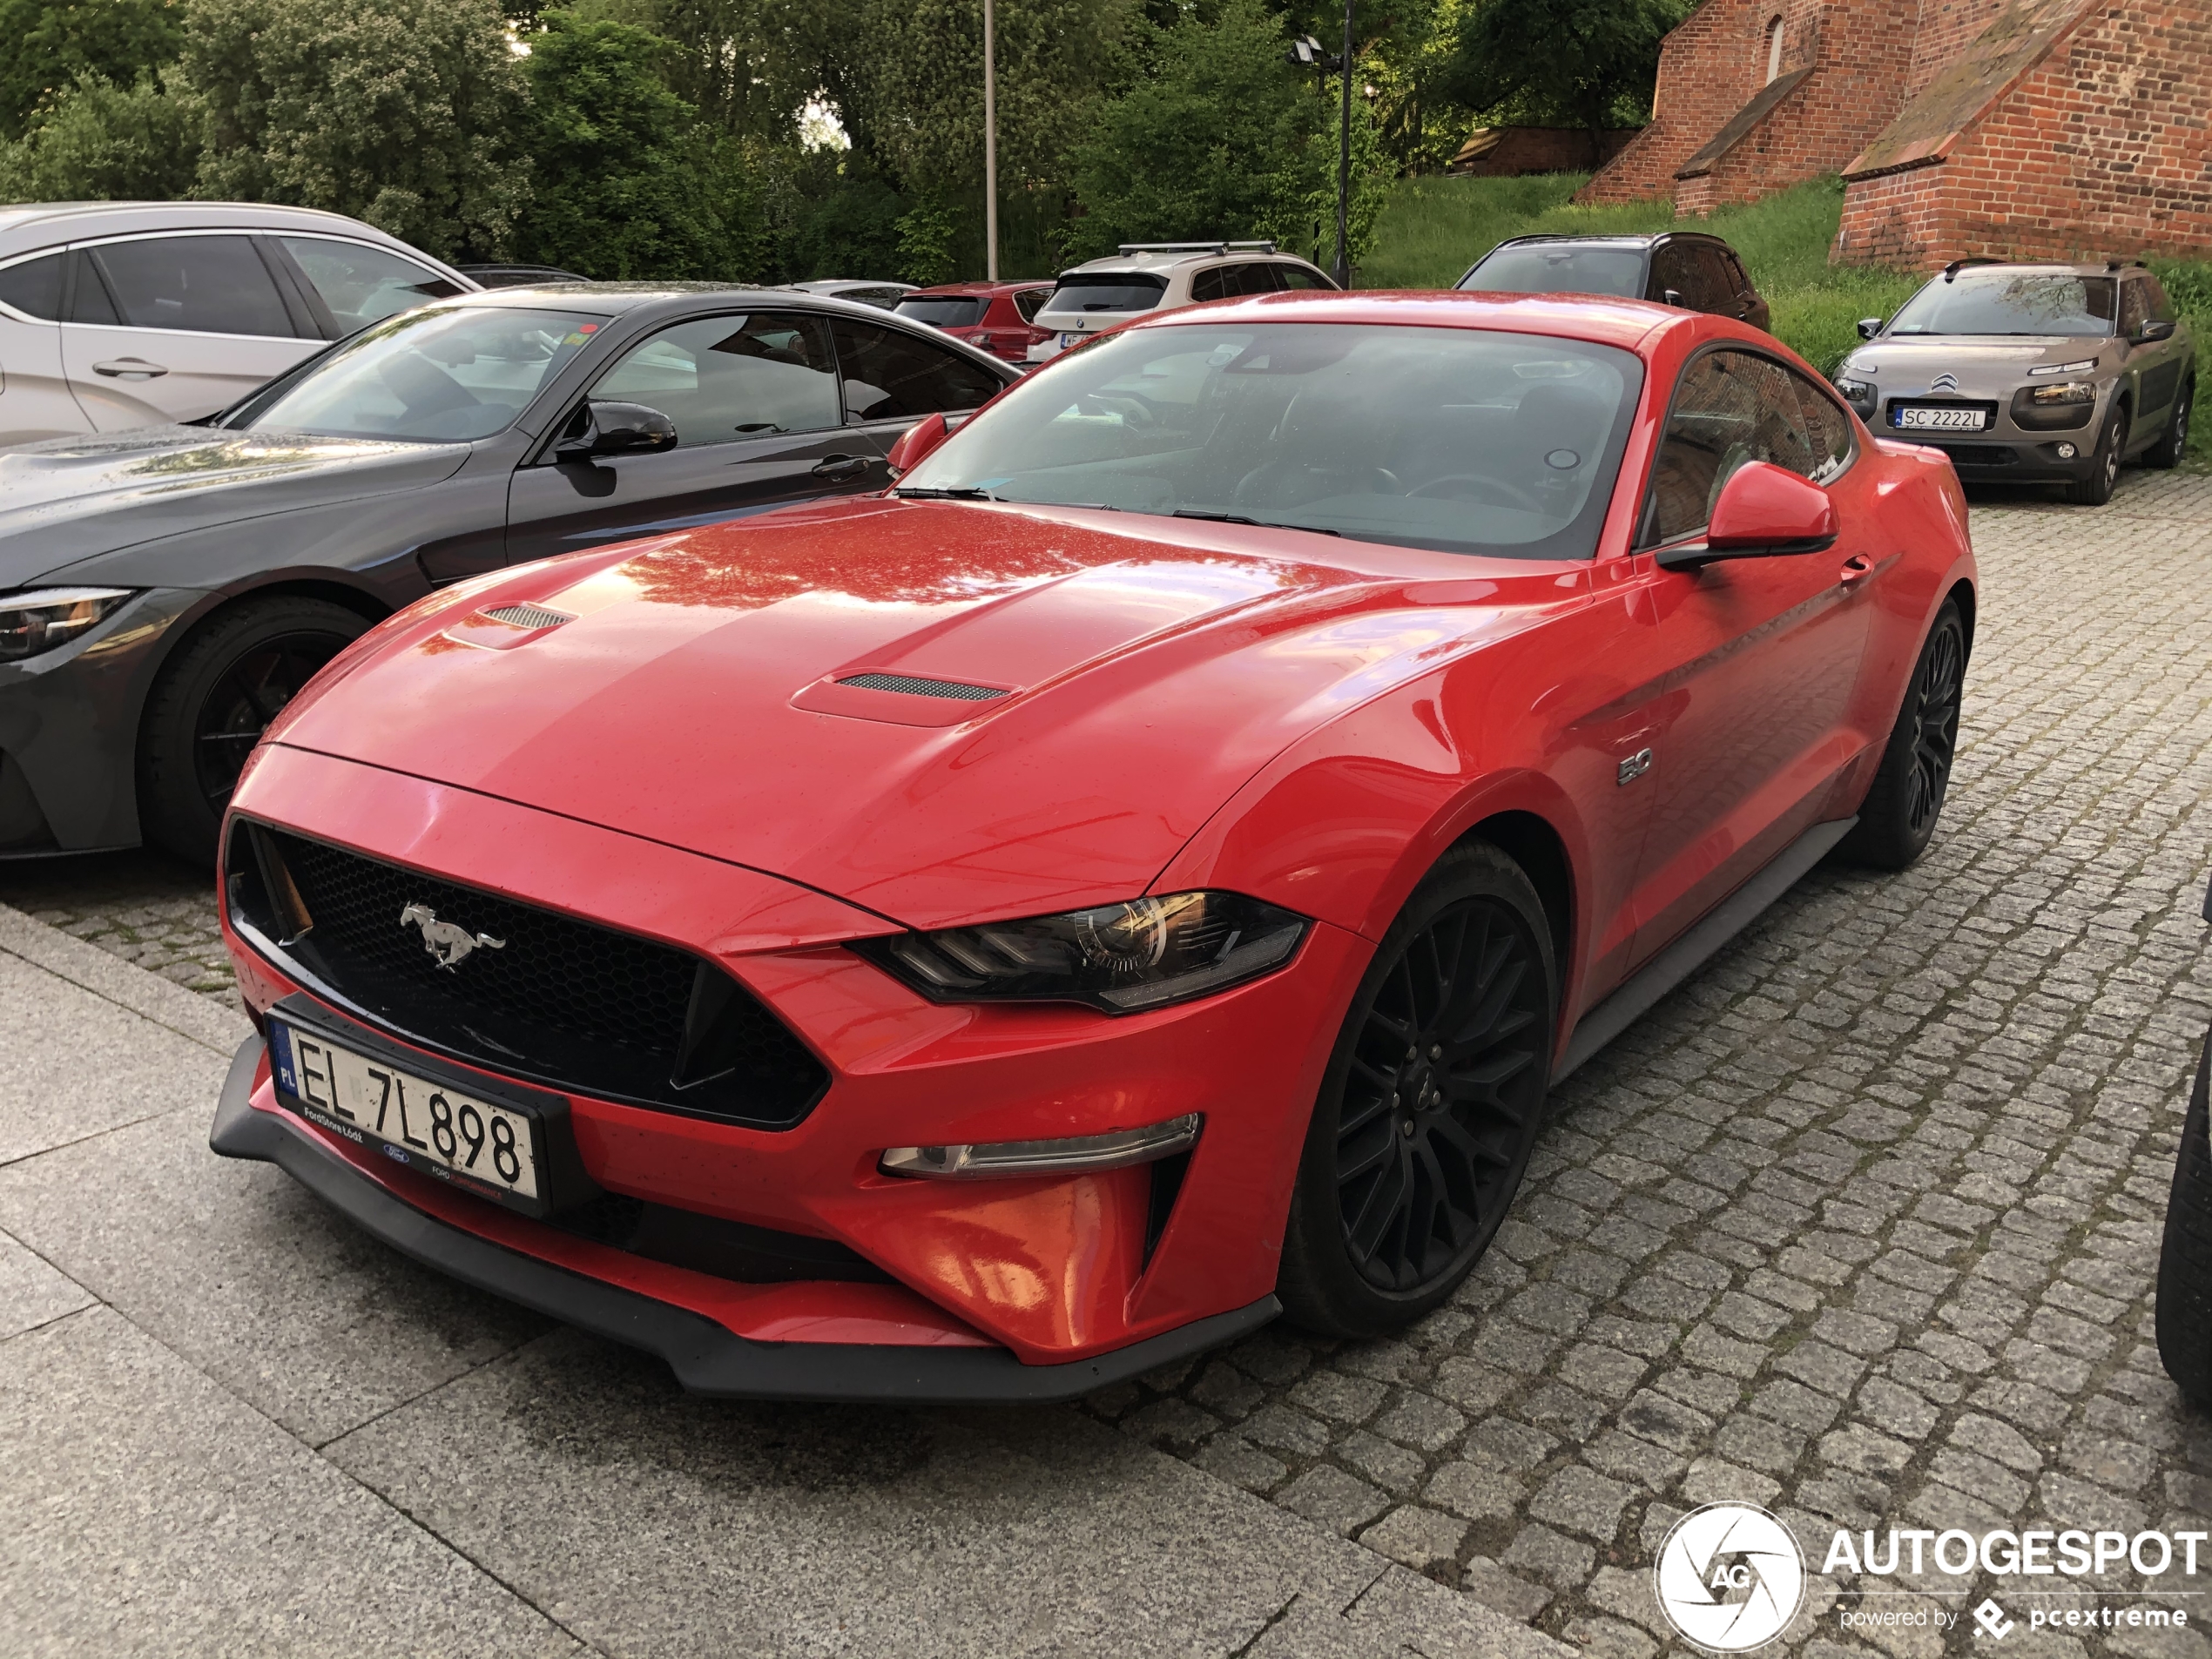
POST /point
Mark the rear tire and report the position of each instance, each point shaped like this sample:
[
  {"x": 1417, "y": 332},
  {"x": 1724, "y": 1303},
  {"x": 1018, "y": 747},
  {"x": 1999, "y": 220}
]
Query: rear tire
[
  {"x": 1431, "y": 1104},
  {"x": 214, "y": 698},
  {"x": 1901, "y": 809},
  {"x": 2174, "y": 443},
  {"x": 2185, "y": 1256},
  {"x": 2104, "y": 472}
]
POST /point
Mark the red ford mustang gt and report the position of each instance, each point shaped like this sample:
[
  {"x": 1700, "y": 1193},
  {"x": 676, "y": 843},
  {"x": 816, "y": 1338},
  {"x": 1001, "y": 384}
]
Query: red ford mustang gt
[{"x": 1139, "y": 876}]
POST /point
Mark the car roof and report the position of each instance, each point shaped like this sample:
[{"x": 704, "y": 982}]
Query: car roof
[
  {"x": 1640, "y": 239},
  {"x": 1153, "y": 261},
  {"x": 983, "y": 286},
  {"x": 1599, "y": 318},
  {"x": 26, "y": 227}
]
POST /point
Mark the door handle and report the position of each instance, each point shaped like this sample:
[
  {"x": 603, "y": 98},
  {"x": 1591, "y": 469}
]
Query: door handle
[
  {"x": 839, "y": 468},
  {"x": 1857, "y": 568},
  {"x": 130, "y": 368}
]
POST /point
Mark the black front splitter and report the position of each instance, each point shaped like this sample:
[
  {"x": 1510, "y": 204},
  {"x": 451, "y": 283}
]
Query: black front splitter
[{"x": 706, "y": 1358}]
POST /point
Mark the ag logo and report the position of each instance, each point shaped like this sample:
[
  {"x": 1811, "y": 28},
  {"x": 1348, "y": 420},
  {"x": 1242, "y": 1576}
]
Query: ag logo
[{"x": 1729, "y": 1577}]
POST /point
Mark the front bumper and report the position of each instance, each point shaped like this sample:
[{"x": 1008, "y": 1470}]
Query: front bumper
[
  {"x": 707, "y": 1357},
  {"x": 2005, "y": 451}
]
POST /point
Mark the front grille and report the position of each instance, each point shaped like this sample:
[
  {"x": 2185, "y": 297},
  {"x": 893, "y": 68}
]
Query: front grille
[
  {"x": 531, "y": 994},
  {"x": 915, "y": 686},
  {"x": 705, "y": 1243},
  {"x": 1980, "y": 455}
]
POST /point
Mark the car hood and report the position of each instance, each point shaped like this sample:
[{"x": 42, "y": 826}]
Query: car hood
[
  {"x": 1135, "y": 677},
  {"x": 1904, "y": 364},
  {"x": 70, "y": 499}
]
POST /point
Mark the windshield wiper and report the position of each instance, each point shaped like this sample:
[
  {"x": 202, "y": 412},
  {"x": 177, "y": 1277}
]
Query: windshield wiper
[
  {"x": 961, "y": 492},
  {"x": 1257, "y": 524}
]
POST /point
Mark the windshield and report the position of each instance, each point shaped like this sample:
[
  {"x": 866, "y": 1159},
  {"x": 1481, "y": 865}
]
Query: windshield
[
  {"x": 1457, "y": 439},
  {"x": 1548, "y": 269},
  {"x": 2014, "y": 303},
  {"x": 429, "y": 374},
  {"x": 1111, "y": 291},
  {"x": 945, "y": 310}
]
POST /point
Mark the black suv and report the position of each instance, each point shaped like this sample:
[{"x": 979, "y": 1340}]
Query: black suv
[{"x": 1685, "y": 268}]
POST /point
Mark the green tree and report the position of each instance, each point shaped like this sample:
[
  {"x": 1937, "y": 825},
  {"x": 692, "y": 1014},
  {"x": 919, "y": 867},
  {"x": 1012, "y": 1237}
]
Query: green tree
[
  {"x": 1217, "y": 136},
  {"x": 1588, "y": 64},
  {"x": 629, "y": 184},
  {"x": 54, "y": 44},
  {"x": 100, "y": 142},
  {"x": 406, "y": 113}
]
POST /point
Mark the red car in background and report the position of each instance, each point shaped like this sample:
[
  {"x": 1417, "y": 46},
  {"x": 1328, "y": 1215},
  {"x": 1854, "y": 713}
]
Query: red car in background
[
  {"x": 1140, "y": 876},
  {"x": 994, "y": 315}
]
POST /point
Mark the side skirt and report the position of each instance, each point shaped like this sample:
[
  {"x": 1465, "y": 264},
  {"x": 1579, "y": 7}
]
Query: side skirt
[{"x": 1686, "y": 954}]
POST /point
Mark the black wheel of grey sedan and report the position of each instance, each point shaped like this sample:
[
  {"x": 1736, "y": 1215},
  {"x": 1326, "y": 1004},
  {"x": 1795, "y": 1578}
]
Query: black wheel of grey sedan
[
  {"x": 1431, "y": 1104},
  {"x": 211, "y": 704},
  {"x": 2174, "y": 443},
  {"x": 2104, "y": 468},
  {"x": 1906, "y": 799}
]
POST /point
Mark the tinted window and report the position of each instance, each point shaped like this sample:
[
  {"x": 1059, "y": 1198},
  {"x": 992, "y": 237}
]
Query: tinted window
[
  {"x": 363, "y": 285},
  {"x": 214, "y": 285},
  {"x": 1717, "y": 285},
  {"x": 1462, "y": 440},
  {"x": 2134, "y": 308},
  {"x": 1297, "y": 278},
  {"x": 1551, "y": 267},
  {"x": 1827, "y": 430},
  {"x": 1108, "y": 292},
  {"x": 720, "y": 378},
  {"x": 1256, "y": 279},
  {"x": 1729, "y": 408},
  {"x": 890, "y": 374},
  {"x": 2162, "y": 308},
  {"x": 1030, "y": 301},
  {"x": 1693, "y": 271},
  {"x": 466, "y": 373},
  {"x": 34, "y": 287},
  {"x": 2011, "y": 303},
  {"x": 1211, "y": 285},
  {"x": 945, "y": 310}
]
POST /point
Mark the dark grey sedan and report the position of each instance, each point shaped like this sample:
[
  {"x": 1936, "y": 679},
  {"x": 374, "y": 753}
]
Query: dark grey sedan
[{"x": 164, "y": 593}]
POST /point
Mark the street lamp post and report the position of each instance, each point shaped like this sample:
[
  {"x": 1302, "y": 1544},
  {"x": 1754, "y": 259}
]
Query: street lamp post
[
  {"x": 991, "y": 149},
  {"x": 1305, "y": 53}
]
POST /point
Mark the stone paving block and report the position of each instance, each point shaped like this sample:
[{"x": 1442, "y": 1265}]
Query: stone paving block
[
  {"x": 1416, "y": 1537},
  {"x": 1330, "y": 1498},
  {"x": 1582, "y": 1501},
  {"x": 1565, "y": 1562}
]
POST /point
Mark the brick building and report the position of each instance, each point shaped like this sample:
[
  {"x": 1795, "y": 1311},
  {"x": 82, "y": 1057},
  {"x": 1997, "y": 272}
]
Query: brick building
[{"x": 2008, "y": 127}]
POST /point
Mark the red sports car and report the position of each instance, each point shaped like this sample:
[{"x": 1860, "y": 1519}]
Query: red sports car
[{"x": 1139, "y": 876}]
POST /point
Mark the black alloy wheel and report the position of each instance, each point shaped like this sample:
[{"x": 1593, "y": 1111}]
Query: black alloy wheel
[
  {"x": 2174, "y": 443},
  {"x": 2104, "y": 466},
  {"x": 1898, "y": 818},
  {"x": 212, "y": 702},
  {"x": 1432, "y": 1105}
]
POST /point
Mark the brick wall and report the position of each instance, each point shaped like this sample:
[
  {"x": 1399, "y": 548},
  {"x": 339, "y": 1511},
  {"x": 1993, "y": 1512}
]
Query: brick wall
[
  {"x": 1708, "y": 68},
  {"x": 2103, "y": 148},
  {"x": 1942, "y": 32}
]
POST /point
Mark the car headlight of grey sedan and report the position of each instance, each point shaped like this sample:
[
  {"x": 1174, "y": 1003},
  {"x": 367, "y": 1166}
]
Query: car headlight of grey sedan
[
  {"x": 2062, "y": 392},
  {"x": 1859, "y": 395},
  {"x": 44, "y": 619}
]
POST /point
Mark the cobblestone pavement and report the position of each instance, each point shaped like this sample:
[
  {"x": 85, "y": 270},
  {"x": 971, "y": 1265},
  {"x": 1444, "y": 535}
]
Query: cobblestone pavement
[{"x": 1861, "y": 1224}]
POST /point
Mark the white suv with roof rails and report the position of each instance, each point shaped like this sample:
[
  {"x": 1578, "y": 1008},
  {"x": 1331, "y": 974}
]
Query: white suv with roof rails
[
  {"x": 1161, "y": 276},
  {"x": 117, "y": 314}
]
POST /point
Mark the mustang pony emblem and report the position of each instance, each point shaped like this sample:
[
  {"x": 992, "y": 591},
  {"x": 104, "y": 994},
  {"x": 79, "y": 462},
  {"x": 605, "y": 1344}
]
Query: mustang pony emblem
[{"x": 446, "y": 940}]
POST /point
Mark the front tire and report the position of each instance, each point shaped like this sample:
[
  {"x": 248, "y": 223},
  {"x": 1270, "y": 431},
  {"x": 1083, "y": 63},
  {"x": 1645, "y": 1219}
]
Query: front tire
[
  {"x": 214, "y": 698},
  {"x": 2104, "y": 466},
  {"x": 1431, "y": 1104},
  {"x": 1901, "y": 809},
  {"x": 2174, "y": 443},
  {"x": 2185, "y": 1256}
]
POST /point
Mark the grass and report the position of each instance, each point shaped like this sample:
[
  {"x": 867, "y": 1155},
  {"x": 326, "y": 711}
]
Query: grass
[{"x": 1432, "y": 229}]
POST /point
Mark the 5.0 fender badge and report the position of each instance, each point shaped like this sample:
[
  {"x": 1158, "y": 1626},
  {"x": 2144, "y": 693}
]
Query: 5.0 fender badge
[
  {"x": 446, "y": 940},
  {"x": 1635, "y": 767}
]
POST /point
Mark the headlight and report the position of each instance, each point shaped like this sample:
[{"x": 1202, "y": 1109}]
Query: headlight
[
  {"x": 1119, "y": 957},
  {"x": 2064, "y": 392},
  {"x": 45, "y": 617},
  {"x": 1859, "y": 395}
]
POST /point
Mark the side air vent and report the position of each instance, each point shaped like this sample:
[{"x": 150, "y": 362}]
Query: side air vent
[
  {"x": 528, "y": 616},
  {"x": 913, "y": 686}
]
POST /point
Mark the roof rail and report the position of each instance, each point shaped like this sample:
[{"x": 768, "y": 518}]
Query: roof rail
[
  {"x": 1197, "y": 247},
  {"x": 1951, "y": 270}
]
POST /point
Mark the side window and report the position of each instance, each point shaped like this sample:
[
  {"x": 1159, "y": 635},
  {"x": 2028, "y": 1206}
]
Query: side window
[
  {"x": 1672, "y": 267},
  {"x": 2162, "y": 308},
  {"x": 1030, "y": 301},
  {"x": 1257, "y": 278},
  {"x": 1739, "y": 279},
  {"x": 2134, "y": 308},
  {"x": 891, "y": 375},
  {"x": 212, "y": 284},
  {"x": 1729, "y": 408},
  {"x": 34, "y": 287},
  {"x": 1298, "y": 279},
  {"x": 720, "y": 378},
  {"x": 1212, "y": 284},
  {"x": 363, "y": 285},
  {"x": 1827, "y": 431},
  {"x": 1715, "y": 283}
]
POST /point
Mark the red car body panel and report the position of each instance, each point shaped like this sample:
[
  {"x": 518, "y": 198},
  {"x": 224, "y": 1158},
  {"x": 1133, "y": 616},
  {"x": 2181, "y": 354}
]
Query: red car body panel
[
  {"x": 1001, "y": 330},
  {"x": 1310, "y": 722}
]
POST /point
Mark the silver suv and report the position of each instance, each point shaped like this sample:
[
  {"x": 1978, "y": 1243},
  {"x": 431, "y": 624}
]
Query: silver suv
[
  {"x": 2032, "y": 373},
  {"x": 1160, "y": 276},
  {"x": 119, "y": 314}
]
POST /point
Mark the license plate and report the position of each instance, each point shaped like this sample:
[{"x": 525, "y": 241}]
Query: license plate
[
  {"x": 1939, "y": 420},
  {"x": 1067, "y": 341},
  {"x": 428, "y": 1126}
]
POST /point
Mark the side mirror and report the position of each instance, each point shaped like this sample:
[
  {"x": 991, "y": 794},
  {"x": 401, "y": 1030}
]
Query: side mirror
[
  {"x": 618, "y": 429},
  {"x": 1672, "y": 296},
  {"x": 1869, "y": 326},
  {"x": 1764, "y": 511},
  {"x": 2151, "y": 330},
  {"x": 916, "y": 442}
]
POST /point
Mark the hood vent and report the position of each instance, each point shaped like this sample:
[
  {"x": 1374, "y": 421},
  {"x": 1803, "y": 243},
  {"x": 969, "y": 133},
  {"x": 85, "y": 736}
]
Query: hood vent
[
  {"x": 913, "y": 686},
  {"x": 527, "y": 615}
]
